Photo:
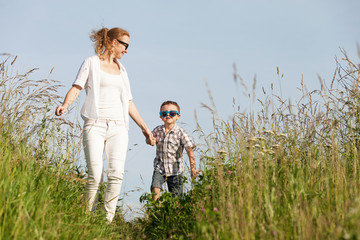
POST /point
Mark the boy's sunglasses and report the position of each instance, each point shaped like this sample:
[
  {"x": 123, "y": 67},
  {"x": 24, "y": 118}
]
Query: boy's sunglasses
[
  {"x": 126, "y": 45},
  {"x": 170, "y": 113}
]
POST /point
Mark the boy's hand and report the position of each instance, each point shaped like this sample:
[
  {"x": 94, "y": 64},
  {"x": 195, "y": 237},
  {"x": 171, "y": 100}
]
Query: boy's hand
[
  {"x": 195, "y": 173},
  {"x": 149, "y": 137},
  {"x": 151, "y": 140}
]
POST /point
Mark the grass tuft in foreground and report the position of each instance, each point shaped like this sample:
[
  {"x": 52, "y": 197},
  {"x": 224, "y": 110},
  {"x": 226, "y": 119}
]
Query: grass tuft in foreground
[
  {"x": 287, "y": 171},
  {"x": 284, "y": 172},
  {"x": 41, "y": 186}
]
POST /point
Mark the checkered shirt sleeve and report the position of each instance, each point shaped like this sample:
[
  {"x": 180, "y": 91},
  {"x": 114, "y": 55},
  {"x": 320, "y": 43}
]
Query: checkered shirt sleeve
[{"x": 169, "y": 149}]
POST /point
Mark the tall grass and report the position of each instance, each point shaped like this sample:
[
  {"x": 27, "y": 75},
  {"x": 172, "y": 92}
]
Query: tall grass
[
  {"x": 40, "y": 183},
  {"x": 291, "y": 173},
  {"x": 287, "y": 171}
]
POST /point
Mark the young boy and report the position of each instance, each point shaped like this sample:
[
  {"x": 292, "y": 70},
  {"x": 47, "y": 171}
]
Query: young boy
[{"x": 170, "y": 142}]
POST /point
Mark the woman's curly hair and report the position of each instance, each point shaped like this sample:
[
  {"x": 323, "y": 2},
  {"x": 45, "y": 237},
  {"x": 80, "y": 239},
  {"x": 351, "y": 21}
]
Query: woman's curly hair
[{"x": 103, "y": 37}]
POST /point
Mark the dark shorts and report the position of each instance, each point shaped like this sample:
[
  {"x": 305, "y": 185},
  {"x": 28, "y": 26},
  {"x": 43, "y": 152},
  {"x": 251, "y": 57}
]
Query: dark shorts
[{"x": 174, "y": 183}]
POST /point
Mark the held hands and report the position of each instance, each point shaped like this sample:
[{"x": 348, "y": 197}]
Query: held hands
[
  {"x": 151, "y": 140},
  {"x": 149, "y": 137}
]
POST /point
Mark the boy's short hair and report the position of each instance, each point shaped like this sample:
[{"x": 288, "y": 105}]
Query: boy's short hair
[{"x": 170, "y": 102}]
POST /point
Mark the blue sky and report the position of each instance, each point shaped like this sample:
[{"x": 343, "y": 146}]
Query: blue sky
[{"x": 177, "y": 46}]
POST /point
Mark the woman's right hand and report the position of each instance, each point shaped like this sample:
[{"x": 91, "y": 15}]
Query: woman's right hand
[
  {"x": 69, "y": 98},
  {"x": 60, "y": 110}
]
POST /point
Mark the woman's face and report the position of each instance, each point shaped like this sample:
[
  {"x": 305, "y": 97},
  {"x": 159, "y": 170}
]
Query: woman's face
[{"x": 120, "y": 46}]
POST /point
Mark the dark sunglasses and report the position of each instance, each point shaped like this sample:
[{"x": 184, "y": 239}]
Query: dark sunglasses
[
  {"x": 123, "y": 43},
  {"x": 170, "y": 113}
]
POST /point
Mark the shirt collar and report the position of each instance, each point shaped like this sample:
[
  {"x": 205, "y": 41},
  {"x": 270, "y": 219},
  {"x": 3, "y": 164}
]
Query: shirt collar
[{"x": 171, "y": 130}]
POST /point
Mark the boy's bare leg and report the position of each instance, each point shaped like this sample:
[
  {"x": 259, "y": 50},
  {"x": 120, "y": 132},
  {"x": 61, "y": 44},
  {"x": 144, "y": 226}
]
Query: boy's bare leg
[{"x": 155, "y": 193}]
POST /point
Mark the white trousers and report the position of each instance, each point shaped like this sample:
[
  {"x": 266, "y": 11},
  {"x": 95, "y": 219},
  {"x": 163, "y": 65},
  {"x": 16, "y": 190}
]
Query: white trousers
[{"x": 112, "y": 137}]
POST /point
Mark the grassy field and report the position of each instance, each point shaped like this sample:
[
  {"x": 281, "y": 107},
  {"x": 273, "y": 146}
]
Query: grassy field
[{"x": 287, "y": 171}]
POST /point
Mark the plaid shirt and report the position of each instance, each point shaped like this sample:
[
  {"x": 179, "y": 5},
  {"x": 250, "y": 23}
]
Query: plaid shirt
[{"x": 169, "y": 149}]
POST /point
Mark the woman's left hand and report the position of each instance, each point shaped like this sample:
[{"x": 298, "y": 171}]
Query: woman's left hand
[
  {"x": 135, "y": 115},
  {"x": 149, "y": 137}
]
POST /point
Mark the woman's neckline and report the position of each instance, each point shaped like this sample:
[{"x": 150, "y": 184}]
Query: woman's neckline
[
  {"x": 118, "y": 74},
  {"x": 115, "y": 61}
]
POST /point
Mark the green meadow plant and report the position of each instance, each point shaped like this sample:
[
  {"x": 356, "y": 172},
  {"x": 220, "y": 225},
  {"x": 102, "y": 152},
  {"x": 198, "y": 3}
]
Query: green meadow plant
[
  {"x": 41, "y": 184},
  {"x": 169, "y": 217},
  {"x": 287, "y": 171}
]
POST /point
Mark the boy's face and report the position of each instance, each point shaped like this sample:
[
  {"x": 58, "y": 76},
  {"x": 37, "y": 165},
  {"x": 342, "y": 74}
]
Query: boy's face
[{"x": 168, "y": 119}]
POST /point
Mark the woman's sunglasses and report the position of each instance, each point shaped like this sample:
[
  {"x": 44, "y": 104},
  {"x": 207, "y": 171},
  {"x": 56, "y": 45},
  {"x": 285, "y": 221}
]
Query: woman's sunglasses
[
  {"x": 126, "y": 45},
  {"x": 170, "y": 113}
]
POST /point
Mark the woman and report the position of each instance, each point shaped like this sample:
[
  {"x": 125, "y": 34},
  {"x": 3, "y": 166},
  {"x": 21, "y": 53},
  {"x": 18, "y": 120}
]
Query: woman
[{"x": 106, "y": 111}]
